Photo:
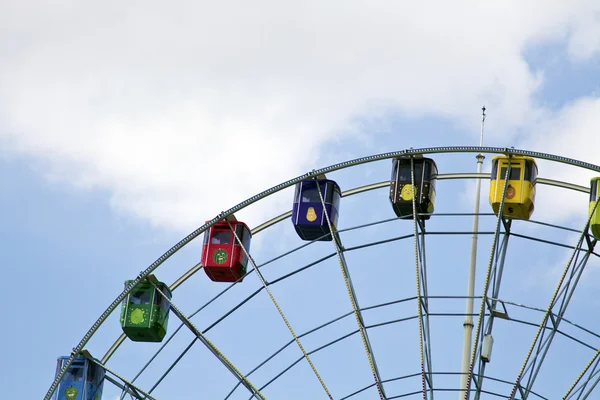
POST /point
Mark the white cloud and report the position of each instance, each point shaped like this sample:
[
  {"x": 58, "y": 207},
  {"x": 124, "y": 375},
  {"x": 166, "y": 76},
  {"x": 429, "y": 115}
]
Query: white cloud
[
  {"x": 182, "y": 110},
  {"x": 572, "y": 132}
]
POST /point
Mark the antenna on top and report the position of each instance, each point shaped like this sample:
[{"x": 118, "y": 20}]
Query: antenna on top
[{"x": 482, "y": 125}]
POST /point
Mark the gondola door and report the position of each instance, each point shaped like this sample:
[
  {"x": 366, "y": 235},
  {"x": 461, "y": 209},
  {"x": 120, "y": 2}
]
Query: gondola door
[{"x": 595, "y": 213}]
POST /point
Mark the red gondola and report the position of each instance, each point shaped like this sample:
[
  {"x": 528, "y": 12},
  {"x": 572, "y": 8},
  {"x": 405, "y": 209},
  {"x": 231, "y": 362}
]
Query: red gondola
[{"x": 222, "y": 255}]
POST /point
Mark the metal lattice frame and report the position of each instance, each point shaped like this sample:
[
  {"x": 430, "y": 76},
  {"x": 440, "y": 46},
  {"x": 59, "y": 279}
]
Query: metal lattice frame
[{"x": 547, "y": 329}]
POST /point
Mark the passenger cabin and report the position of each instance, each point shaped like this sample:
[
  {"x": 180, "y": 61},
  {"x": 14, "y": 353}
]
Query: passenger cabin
[
  {"x": 222, "y": 255},
  {"x": 145, "y": 312},
  {"x": 594, "y": 195},
  {"x": 402, "y": 191},
  {"x": 83, "y": 380},
  {"x": 520, "y": 193},
  {"x": 308, "y": 212}
]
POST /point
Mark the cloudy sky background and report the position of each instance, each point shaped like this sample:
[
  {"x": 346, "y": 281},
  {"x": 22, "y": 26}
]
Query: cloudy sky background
[{"x": 122, "y": 128}]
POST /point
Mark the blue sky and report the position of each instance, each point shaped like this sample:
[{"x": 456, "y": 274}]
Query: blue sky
[{"x": 115, "y": 143}]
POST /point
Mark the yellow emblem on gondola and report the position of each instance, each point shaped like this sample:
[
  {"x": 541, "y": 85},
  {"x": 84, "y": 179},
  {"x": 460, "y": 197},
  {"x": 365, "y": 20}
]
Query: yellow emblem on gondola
[
  {"x": 311, "y": 215},
  {"x": 71, "y": 393},
  {"x": 137, "y": 316},
  {"x": 407, "y": 192},
  {"x": 510, "y": 192}
]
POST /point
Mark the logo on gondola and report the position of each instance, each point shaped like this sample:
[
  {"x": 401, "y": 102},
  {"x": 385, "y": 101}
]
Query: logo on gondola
[
  {"x": 311, "y": 215},
  {"x": 510, "y": 192},
  {"x": 71, "y": 393},
  {"x": 220, "y": 256},
  {"x": 137, "y": 316},
  {"x": 407, "y": 192}
]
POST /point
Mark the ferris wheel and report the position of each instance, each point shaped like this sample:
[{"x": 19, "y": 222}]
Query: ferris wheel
[{"x": 401, "y": 287}]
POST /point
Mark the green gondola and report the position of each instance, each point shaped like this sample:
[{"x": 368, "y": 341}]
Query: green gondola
[
  {"x": 595, "y": 220},
  {"x": 145, "y": 312}
]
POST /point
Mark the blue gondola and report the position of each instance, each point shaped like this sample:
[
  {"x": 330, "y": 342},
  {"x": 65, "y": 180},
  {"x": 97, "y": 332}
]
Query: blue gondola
[
  {"x": 307, "y": 214},
  {"x": 83, "y": 380}
]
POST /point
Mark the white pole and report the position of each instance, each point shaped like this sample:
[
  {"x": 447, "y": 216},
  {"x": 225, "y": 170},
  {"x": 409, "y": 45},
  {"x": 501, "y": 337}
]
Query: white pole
[{"x": 468, "y": 324}]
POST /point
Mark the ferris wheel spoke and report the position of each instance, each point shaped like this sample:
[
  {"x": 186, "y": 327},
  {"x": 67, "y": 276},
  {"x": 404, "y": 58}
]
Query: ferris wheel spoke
[
  {"x": 120, "y": 382},
  {"x": 173, "y": 364},
  {"x": 585, "y": 377},
  {"x": 204, "y": 332},
  {"x": 188, "y": 274},
  {"x": 337, "y": 244},
  {"x": 289, "y": 344},
  {"x": 492, "y": 304},
  {"x": 551, "y": 321},
  {"x": 265, "y": 285},
  {"x": 177, "y": 283},
  {"x": 210, "y": 346},
  {"x": 422, "y": 294},
  {"x": 126, "y": 390},
  {"x": 497, "y": 252},
  {"x": 163, "y": 345},
  {"x": 552, "y": 318},
  {"x": 362, "y": 327},
  {"x": 425, "y": 301},
  {"x": 294, "y": 363}
]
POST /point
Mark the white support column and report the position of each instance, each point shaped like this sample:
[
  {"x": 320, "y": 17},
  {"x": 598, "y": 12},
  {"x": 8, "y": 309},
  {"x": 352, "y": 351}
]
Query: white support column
[{"x": 468, "y": 324}]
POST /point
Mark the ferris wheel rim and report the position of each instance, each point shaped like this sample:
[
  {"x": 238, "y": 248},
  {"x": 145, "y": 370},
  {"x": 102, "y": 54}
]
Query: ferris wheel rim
[{"x": 312, "y": 174}]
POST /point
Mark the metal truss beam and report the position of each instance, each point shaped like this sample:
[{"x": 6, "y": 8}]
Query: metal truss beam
[
  {"x": 490, "y": 275},
  {"x": 589, "y": 374},
  {"x": 552, "y": 319},
  {"x": 492, "y": 303}
]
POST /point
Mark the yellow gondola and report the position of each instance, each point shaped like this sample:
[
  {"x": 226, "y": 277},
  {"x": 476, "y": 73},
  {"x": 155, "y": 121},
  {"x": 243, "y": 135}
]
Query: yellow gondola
[
  {"x": 595, "y": 220},
  {"x": 520, "y": 193}
]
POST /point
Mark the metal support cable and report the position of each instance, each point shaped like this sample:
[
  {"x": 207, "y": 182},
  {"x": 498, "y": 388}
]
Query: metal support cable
[
  {"x": 279, "y": 310},
  {"x": 232, "y": 368},
  {"x": 353, "y": 299}
]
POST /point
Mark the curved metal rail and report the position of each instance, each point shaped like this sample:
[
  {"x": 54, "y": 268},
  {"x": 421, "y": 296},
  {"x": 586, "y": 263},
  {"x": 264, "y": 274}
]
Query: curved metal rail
[{"x": 351, "y": 192}]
